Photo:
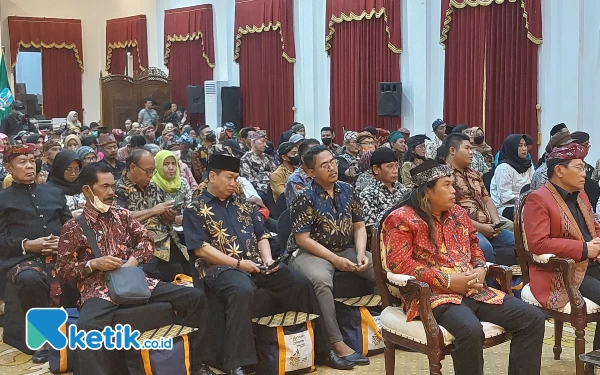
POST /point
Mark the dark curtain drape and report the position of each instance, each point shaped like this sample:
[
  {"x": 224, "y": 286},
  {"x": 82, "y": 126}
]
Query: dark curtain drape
[
  {"x": 189, "y": 51},
  {"x": 265, "y": 52},
  {"x": 491, "y": 67},
  {"x": 61, "y": 83},
  {"x": 62, "y": 60},
  {"x": 363, "y": 40},
  {"x": 123, "y": 33}
]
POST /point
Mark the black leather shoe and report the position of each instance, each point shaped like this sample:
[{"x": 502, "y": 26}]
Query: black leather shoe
[
  {"x": 40, "y": 356},
  {"x": 330, "y": 359},
  {"x": 236, "y": 371},
  {"x": 204, "y": 370},
  {"x": 357, "y": 359}
]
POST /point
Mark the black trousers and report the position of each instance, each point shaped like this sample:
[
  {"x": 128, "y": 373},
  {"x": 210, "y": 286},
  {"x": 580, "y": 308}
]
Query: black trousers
[
  {"x": 590, "y": 288},
  {"x": 97, "y": 313},
  {"x": 33, "y": 289},
  {"x": 525, "y": 322},
  {"x": 236, "y": 289},
  {"x": 166, "y": 271}
]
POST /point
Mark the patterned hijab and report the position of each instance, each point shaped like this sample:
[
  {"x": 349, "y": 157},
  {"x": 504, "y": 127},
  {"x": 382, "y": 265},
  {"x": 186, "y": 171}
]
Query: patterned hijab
[{"x": 167, "y": 185}]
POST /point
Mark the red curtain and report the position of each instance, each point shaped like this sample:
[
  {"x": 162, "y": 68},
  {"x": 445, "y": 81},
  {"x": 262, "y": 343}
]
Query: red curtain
[
  {"x": 61, "y": 83},
  {"x": 189, "y": 50},
  {"x": 45, "y": 33},
  {"x": 123, "y": 33},
  {"x": 363, "y": 40},
  {"x": 492, "y": 67},
  {"x": 265, "y": 53}
]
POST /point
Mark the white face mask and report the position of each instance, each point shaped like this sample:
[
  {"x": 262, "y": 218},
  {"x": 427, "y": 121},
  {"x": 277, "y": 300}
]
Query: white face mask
[{"x": 97, "y": 203}]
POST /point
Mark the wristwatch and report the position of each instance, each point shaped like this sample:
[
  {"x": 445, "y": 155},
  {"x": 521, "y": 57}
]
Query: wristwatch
[{"x": 88, "y": 268}]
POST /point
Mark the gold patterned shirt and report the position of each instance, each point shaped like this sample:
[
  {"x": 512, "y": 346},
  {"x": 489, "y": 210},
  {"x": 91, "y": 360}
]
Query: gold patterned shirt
[{"x": 233, "y": 227}]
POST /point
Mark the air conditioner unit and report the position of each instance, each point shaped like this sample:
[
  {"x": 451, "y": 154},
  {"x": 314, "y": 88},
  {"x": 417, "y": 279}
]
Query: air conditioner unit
[{"x": 212, "y": 102}]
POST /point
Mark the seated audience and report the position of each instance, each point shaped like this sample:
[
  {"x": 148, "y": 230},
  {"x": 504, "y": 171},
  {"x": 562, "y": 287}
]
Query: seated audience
[
  {"x": 494, "y": 234},
  {"x": 87, "y": 155},
  {"x": 513, "y": 172},
  {"x": 200, "y": 157},
  {"x": 64, "y": 176},
  {"x": 148, "y": 204},
  {"x": 328, "y": 138},
  {"x": 591, "y": 187},
  {"x": 13, "y": 124},
  {"x": 433, "y": 240},
  {"x": 256, "y": 165},
  {"x": 398, "y": 145},
  {"x": 481, "y": 146},
  {"x": 229, "y": 244},
  {"x": 135, "y": 142},
  {"x": 415, "y": 155},
  {"x": 328, "y": 234},
  {"x": 290, "y": 160},
  {"x": 244, "y": 138},
  {"x": 298, "y": 128},
  {"x": 85, "y": 132},
  {"x": 169, "y": 180},
  {"x": 110, "y": 149},
  {"x": 478, "y": 163},
  {"x": 125, "y": 243},
  {"x": 439, "y": 134},
  {"x": 351, "y": 148},
  {"x": 31, "y": 217},
  {"x": 384, "y": 191},
  {"x": 72, "y": 142},
  {"x": 150, "y": 134},
  {"x": 365, "y": 176},
  {"x": 300, "y": 178},
  {"x": 558, "y": 128},
  {"x": 558, "y": 219},
  {"x": 540, "y": 176},
  {"x": 405, "y": 133},
  {"x": 37, "y": 140}
]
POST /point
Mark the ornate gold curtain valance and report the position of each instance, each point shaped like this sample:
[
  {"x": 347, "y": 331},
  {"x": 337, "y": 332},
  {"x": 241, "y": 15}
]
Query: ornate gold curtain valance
[
  {"x": 128, "y": 32},
  {"x": 188, "y": 24}
]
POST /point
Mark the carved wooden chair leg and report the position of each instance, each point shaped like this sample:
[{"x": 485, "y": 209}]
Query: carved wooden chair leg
[
  {"x": 389, "y": 355},
  {"x": 558, "y": 330},
  {"x": 579, "y": 349},
  {"x": 435, "y": 364}
]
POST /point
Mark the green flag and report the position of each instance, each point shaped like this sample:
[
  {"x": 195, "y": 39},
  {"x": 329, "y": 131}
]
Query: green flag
[{"x": 4, "y": 85}]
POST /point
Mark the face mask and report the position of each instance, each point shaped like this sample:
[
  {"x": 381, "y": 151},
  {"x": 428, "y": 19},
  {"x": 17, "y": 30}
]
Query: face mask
[
  {"x": 211, "y": 137},
  {"x": 295, "y": 160},
  {"x": 478, "y": 140},
  {"x": 326, "y": 141},
  {"x": 95, "y": 134},
  {"x": 98, "y": 204}
]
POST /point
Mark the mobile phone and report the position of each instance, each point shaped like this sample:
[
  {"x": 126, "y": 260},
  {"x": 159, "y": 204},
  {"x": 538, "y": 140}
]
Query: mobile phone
[
  {"x": 499, "y": 224},
  {"x": 177, "y": 204},
  {"x": 264, "y": 268}
]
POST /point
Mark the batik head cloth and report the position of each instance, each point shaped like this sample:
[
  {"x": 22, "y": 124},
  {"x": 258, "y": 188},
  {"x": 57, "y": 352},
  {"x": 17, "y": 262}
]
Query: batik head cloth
[
  {"x": 12, "y": 152},
  {"x": 429, "y": 170}
]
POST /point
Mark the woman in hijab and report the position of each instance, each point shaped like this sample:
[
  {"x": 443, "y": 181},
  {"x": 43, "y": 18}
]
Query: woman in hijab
[
  {"x": 73, "y": 121},
  {"x": 87, "y": 155},
  {"x": 72, "y": 142},
  {"x": 415, "y": 155},
  {"x": 169, "y": 180},
  {"x": 513, "y": 172},
  {"x": 366, "y": 175},
  {"x": 36, "y": 139},
  {"x": 481, "y": 146},
  {"x": 479, "y": 163},
  {"x": 65, "y": 176}
]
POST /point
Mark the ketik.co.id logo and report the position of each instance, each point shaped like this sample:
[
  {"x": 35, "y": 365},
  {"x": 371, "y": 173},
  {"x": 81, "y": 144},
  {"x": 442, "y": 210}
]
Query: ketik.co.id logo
[{"x": 46, "y": 325}]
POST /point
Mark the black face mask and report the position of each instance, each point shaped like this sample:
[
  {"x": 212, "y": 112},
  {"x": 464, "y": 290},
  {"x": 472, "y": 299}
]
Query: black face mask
[
  {"x": 295, "y": 161},
  {"x": 211, "y": 137},
  {"x": 326, "y": 141},
  {"x": 478, "y": 140}
]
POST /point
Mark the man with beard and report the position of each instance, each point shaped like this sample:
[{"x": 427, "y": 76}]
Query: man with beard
[{"x": 290, "y": 160}]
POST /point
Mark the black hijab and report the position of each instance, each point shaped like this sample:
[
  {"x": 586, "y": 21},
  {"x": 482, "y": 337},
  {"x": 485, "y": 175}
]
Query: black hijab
[
  {"x": 509, "y": 154},
  {"x": 57, "y": 175},
  {"x": 34, "y": 138}
]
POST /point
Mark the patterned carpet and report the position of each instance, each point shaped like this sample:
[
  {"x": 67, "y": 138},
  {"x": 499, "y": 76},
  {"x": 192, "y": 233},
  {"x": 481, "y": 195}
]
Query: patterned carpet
[{"x": 13, "y": 362}]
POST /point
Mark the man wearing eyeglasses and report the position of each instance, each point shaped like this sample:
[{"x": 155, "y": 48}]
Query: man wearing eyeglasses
[
  {"x": 328, "y": 234},
  {"x": 149, "y": 205}
]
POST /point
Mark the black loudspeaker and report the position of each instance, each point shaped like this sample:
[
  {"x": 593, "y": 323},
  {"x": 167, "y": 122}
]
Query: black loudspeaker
[
  {"x": 195, "y": 96},
  {"x": 231, "y": 110},
  {"x": 390, "y": 99}
]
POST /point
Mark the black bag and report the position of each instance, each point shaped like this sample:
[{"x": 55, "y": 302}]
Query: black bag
[{"x": 126, "y": 285}]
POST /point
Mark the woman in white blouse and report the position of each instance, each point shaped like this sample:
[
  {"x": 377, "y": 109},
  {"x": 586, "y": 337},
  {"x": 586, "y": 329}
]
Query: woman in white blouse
[{"x": 513, "y": 172}]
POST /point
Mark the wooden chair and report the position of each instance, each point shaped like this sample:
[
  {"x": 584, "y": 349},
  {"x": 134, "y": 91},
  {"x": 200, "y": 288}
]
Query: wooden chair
[
  {"x": 424, "y": 335},
  {"x": 579, "y": 311}
]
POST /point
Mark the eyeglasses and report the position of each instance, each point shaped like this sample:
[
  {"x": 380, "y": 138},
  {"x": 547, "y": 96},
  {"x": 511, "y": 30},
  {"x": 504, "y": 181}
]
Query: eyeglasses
[
  {"x": 91, "y": 159},
  {"x": 73, "y": 170},
  {"x": 368, "y": 143},
  {"x": 420, "y": 147},
  {"x": 332, "y": 164},
  {"x": 149, "y": 172},
  {"x": 579, "y": 168}
]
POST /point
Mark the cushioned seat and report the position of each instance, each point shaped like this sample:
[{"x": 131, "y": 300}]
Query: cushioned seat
[
  {"x": 146, "y": 317},
  {"x": 393, "y": 320},
  {"x": 528, "y": 297}
]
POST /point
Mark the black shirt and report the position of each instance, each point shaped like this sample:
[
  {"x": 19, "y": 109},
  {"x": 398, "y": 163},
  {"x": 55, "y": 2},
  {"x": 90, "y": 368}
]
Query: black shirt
[
  {"x": 571, "y": 201},
  {"x": 117, "y": 171},
  {"x": 28, "y": 212},
  {"x": 10, "y": 126}
]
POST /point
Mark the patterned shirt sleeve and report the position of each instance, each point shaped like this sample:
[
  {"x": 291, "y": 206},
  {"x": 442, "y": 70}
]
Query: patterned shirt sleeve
[
  {"x": 477, "y": 257},
  {"x": 69, "y": 263},
  {"x": 369, "y": 202},
  {"x": 246, "y": 169},
  {"x": 399, "y": 247},
  {"x": 357, "y": 214},
  {"x": 194, "y": 229},
  {"x": 302, "y": 214},
  {"x": 405, "y": 171},
  {"x": 144, "y": 243}
]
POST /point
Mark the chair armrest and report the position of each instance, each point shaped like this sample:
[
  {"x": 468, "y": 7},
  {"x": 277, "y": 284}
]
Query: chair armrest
[
  {"x": 413, "y": 289},
  {"x": 503, "y": 275},
  {"x": 543, "y": 258}
]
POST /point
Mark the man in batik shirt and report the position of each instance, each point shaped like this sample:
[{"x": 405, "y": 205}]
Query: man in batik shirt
[
  {"x": 384, "y": 191},
  {"x": 150, "y": 205},
  {"x": 432, "y": 239},
  {"x": 228, "y": 242},
  {"x": 256, "y": 165},
  {"x": 328, "y": 234},
  {"x": 123, "y": 242}
]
